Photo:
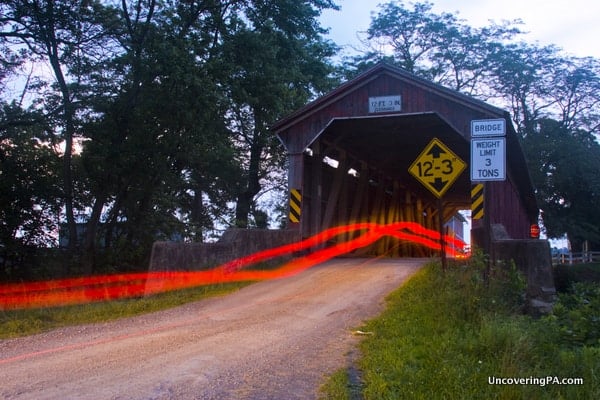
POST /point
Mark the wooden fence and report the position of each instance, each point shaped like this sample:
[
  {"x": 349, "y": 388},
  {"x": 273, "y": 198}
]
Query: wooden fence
[{"x": 576, "y": 258}]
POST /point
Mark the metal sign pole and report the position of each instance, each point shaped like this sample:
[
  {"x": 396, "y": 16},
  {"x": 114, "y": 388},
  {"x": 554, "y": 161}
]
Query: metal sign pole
[
  {"x": 437, "y": 167},
  {"x": 442, "y": 239},
  {"x": 488, "y": 164},
  {"x": 489, "y": 248}
]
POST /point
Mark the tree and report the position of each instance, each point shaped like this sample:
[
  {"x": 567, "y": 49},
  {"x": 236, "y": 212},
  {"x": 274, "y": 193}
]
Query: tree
[
  {"x": 524, "y": 80},
  {"x": 437, "y": 47},
  {"x": 29, "y": 186},
  {"x": 576, "y": 93},
  {"x": 555, "y": 106},
  {"x": 275, "y": 61},
  {"x": 163, "y": 109},
  {"x": 65, "y": 37},
  {"x": 158, "y": 144},
  {"x": 564, "y": 165},
  {"x": 539, "y": 82}
]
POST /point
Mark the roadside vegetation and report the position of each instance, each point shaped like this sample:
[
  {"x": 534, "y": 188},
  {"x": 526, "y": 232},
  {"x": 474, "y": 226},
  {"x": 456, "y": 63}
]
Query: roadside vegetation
[
  {"x": 15, "y": 323},
  {"x": 565, "y": 275},
  {"x": 445, "y": 335}
]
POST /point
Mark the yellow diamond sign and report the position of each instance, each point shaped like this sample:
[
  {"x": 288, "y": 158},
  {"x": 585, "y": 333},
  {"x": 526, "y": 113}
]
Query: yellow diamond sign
[{"x": 437, "y": 167}]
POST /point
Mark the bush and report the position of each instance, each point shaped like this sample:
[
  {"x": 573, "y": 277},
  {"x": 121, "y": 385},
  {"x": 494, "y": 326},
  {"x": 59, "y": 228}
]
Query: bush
[
  {"x": 576, "y": 315},
  {"x": 566, "y": 275}
]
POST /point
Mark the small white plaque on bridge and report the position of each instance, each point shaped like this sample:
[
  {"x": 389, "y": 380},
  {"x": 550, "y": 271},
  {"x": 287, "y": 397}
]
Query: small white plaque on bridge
[{"x": 385, "y": 104}]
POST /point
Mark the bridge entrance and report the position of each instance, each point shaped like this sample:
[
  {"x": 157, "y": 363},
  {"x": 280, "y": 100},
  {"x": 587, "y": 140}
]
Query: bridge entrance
[{"x": 350, "y": 152}]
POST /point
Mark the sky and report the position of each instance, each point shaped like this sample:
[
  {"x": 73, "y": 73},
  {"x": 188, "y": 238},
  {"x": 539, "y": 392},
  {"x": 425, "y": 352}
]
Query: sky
[{"x": 573, "y": 25}]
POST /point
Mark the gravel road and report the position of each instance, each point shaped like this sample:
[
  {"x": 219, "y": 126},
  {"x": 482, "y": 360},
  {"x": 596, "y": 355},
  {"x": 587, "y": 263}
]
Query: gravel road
[{"x": 271, "y": 340}]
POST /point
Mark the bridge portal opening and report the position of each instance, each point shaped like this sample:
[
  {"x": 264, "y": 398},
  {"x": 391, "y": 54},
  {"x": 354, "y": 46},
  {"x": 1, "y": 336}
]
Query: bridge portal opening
[{"x": 357, "y": 170}]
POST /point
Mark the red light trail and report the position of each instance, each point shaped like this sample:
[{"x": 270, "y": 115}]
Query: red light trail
[{"x": 110, "y": 287}]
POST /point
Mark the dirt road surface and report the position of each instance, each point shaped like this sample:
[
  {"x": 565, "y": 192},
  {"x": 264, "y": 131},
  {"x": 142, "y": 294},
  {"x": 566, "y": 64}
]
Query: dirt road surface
[{"x": 271, "y": 340}]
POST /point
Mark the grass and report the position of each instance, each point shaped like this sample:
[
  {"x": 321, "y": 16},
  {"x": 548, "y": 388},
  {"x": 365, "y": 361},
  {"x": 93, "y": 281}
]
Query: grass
[
  {"x": 15, "y": 323},
  {"x": 443, "y": 336},
  {"x": 337, "y": 386}
]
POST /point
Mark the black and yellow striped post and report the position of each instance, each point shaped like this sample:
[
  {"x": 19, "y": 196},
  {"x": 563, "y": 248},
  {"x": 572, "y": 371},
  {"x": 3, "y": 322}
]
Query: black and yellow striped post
[
  {"x": 295, "y": 205},
  {"x": 477, "y": 201}
]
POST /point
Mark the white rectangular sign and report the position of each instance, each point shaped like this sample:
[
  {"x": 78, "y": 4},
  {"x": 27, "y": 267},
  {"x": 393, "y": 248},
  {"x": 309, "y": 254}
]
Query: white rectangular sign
[
  {"x": 385, "y": 104},
  {"x": 488, "y": 127},
  {"x": 488, "y": 159}
]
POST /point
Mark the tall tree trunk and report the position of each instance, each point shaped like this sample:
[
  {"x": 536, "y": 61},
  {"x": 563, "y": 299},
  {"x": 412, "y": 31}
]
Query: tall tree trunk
[
  {"x": 197, "y": 214},
  {"x": 246, "y": 198},
  {"x": 68, "y": 191},
  {"x": 242, "y": 209},
  {"x": 91, "y": 230},
  {"x": 91, "y": 234},
  {"x": 53, "y": 52}
]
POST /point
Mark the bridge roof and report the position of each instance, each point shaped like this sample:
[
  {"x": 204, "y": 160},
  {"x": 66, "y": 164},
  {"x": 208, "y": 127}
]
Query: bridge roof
[{"x": 373, "y": 74}]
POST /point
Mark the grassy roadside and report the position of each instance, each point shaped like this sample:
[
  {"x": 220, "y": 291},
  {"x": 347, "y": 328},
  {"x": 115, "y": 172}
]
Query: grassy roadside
[
  {"x": 443, "y": 336},
  {"x": 15, "y": 323}
]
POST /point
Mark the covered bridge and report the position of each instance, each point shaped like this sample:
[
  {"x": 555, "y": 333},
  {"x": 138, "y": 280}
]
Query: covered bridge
[{"x": 350, "y": 152}]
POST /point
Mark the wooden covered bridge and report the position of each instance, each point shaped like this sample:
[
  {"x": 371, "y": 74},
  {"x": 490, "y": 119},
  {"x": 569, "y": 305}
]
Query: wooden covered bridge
[
  {"x": 350, "y": 152},
  {"x": 355, "y": 155}
]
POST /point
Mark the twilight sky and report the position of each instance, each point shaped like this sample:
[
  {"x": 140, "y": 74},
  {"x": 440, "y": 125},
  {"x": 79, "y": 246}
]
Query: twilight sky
[{"x": 573, "y": 25}]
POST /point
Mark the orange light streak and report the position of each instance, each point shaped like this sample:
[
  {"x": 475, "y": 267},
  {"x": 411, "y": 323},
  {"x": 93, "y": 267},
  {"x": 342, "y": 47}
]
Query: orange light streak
[{"x": 110, "y": 287}]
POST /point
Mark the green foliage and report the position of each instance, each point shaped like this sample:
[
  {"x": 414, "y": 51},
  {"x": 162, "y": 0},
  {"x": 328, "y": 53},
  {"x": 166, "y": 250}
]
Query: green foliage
[
  {"x": 164, "y": 109},
  {"x": 577, "y": 315},
  {"x": 438, "y": 47},
  {"x": 477, "y": 288},
  {"x": 170, "y": 105},
  {"x": 564, "y": 165},
  {"x": 29, "y": 187},
  {"x": 443, "y": 336},
  {"x": 273, "y": 63},
  {"x": 565, "y": 275}
]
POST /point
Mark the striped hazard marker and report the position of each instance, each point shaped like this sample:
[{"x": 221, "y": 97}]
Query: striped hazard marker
[
  {"x": 295, "y": 205},
  {"x": 477, "y": 201}
]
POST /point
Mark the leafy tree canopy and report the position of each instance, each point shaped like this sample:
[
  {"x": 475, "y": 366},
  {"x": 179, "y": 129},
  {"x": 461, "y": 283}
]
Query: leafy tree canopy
[
  {"x": 564, "y": 165},
  {"x": 156, "y": 113}
]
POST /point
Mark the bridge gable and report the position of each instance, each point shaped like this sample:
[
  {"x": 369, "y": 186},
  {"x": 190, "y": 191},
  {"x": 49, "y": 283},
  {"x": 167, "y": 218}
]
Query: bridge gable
[{"x": 352, "y": 100}]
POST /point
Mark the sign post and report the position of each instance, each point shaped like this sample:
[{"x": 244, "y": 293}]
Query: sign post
[
  {"x": 488, "y": 163},
  {"x": 437, "y": 168}
]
